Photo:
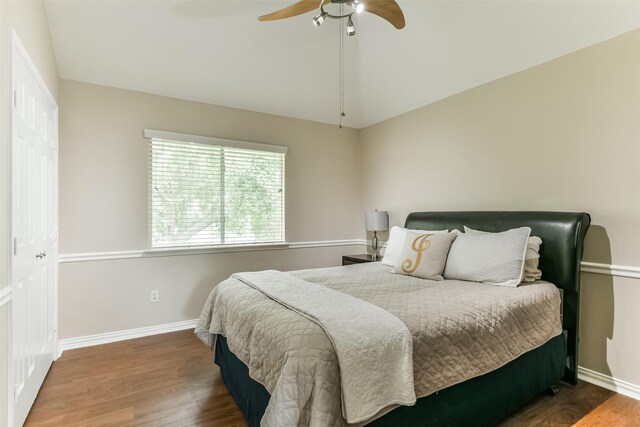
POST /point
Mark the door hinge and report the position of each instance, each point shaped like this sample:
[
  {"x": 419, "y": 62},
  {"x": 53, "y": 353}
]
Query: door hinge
[
  {"x": 15, "y": 246},
  {"x": 15, "y": 98},
  {"x": 55, "y": 235}
]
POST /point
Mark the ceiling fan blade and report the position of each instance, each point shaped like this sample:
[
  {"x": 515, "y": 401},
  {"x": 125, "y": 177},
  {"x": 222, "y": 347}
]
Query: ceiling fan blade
[
  {"x": 386, "y": 9},
  {"x": 303, "y": 6}
]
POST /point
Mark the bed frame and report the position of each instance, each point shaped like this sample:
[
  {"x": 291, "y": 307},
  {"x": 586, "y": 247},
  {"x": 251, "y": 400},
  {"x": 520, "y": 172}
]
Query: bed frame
[
  {"x": 562, "y": 236},
  {"x": 487, "y": 399}
]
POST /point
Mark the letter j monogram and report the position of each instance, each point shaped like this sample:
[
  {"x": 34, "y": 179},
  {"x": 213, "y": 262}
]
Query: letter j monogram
[{"x": 419, "y": 245}]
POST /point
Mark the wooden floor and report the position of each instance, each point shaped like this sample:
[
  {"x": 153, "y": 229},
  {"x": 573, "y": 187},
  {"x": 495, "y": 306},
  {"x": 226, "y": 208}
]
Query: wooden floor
[{"x": 170, "y": 380}]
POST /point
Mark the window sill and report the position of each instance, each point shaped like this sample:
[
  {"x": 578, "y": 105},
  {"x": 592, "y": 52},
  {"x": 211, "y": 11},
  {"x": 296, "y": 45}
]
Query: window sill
[
  {"x": 196, "y": 250},
  {"x": 200, "y": 250}
]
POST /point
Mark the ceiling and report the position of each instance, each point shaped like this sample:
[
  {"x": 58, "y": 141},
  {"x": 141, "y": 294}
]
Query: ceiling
[{"x": 217, "y": 51}]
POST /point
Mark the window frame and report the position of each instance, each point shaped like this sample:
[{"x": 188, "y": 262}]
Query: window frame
[{"x": 152, "y": 134}]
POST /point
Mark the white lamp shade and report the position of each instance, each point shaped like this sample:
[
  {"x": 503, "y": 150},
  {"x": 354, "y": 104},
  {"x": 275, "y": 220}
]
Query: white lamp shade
[{"x": 377, "y": 221}]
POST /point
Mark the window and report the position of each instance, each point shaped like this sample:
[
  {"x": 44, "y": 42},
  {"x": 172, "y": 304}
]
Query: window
[{"x": 210, "y": 192}]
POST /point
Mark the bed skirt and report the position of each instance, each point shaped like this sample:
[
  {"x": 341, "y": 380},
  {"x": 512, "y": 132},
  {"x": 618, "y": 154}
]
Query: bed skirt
[{"x": 480, "y": 401}]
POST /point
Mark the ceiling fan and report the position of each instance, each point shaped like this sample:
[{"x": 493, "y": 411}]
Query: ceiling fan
[{"x": 386, "y": 9}]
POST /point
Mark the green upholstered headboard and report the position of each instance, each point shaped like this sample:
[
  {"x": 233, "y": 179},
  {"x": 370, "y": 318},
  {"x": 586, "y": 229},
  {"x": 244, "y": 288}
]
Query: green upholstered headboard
[{"x": 562, "y": 236}]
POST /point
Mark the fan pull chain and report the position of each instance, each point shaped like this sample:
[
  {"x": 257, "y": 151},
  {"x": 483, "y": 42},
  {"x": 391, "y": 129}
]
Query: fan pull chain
[{"x": 342, "y": 114}]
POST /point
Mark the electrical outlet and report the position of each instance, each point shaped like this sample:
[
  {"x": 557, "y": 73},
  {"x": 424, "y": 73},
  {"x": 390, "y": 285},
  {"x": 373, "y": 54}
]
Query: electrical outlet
[{"x": 155, "y": 295}]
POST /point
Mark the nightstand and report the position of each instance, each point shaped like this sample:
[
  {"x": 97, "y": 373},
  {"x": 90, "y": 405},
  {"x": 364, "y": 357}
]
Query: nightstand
[{"x": 358, "y": 259}]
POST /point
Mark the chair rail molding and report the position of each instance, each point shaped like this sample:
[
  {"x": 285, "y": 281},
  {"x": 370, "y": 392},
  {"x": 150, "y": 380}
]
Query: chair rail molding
[
  {"x": 632, "y": 272},
  {"x": 150, "y": 253},
  {"x": 611, "y": 269}
]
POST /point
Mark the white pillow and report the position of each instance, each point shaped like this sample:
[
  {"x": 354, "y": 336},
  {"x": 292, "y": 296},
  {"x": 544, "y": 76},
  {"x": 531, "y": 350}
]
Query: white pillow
[
  {"x": 424, "y": 254},
  {"x": 531, "y": 258},
  {"x": 494, "y": 258},
  {"x": 394, "y": 244}
]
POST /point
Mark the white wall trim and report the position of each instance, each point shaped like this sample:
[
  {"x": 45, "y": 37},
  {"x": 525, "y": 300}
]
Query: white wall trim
[
  {"x": 611, "y": 269},
  {"x": 100, "y": 256},
  {"x": 586, "y": 267},
  {"x": 327, "y": 243},
  {"x": 183, "y": 137},
  {"x": 5, "y": 295},
  {"x": 114, "y": 255},
  {"x": 109, "y": 337},
  {"x": 608, "y": 382}
]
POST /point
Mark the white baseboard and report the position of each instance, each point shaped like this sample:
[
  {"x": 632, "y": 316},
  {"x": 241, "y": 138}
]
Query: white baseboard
[
  {"x": 608, "y": 382},
  {"x": 109, "y": 337}
]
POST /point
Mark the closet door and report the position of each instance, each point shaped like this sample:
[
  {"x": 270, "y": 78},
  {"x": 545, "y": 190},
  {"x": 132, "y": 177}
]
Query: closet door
[{"x": 34, "y": 226}]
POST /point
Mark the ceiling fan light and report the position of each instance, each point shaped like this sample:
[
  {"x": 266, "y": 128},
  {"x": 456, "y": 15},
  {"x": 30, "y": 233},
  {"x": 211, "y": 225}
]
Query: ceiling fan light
[
  {"x": 318, "y": 20},
  {"x": 358, "y": 6},
  {"x": 351, "y": 28}
]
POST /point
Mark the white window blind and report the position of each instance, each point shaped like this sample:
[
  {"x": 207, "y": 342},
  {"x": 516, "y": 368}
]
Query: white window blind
[{"x": 212, "y": 192}]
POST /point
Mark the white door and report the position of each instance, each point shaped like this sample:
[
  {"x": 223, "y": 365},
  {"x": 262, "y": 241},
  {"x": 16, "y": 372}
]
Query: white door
[{"x": 34, "y": 225}]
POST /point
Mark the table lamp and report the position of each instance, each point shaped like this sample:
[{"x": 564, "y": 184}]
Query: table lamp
[{"x": 376, "y": 221}]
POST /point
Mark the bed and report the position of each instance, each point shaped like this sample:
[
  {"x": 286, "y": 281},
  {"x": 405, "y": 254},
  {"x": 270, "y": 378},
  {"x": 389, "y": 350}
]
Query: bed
[{"x": 480, "y": 384}]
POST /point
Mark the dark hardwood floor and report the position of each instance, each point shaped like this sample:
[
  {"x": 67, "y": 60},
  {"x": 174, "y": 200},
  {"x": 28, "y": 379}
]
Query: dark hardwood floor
[{"x": 170, "y": 380}]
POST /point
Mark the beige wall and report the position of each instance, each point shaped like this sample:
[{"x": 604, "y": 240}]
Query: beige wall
[
  {"x": 103, "y": 204},
  {"x": 108, "y": 296},
  {"x": 561, "y": 136}
]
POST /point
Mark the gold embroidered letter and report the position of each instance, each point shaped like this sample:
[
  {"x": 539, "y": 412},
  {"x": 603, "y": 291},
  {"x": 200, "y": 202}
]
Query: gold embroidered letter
[{"x": 419, "y": 245}]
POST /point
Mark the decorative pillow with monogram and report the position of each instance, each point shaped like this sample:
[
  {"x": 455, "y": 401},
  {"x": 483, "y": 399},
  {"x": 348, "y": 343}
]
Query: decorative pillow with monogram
[
  {"x": 395, "y": 242},
  {"x": 424, "y": 254}
]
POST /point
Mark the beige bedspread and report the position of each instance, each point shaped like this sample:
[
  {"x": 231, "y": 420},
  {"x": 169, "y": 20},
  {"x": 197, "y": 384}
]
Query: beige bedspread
[
  {"x": 460, "y": 330},
  {"x": 373, "y": 347}
]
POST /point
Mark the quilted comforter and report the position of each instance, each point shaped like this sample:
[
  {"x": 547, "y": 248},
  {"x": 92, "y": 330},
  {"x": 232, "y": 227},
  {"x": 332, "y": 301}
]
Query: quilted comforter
[{"x": 459, "y": 330}]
